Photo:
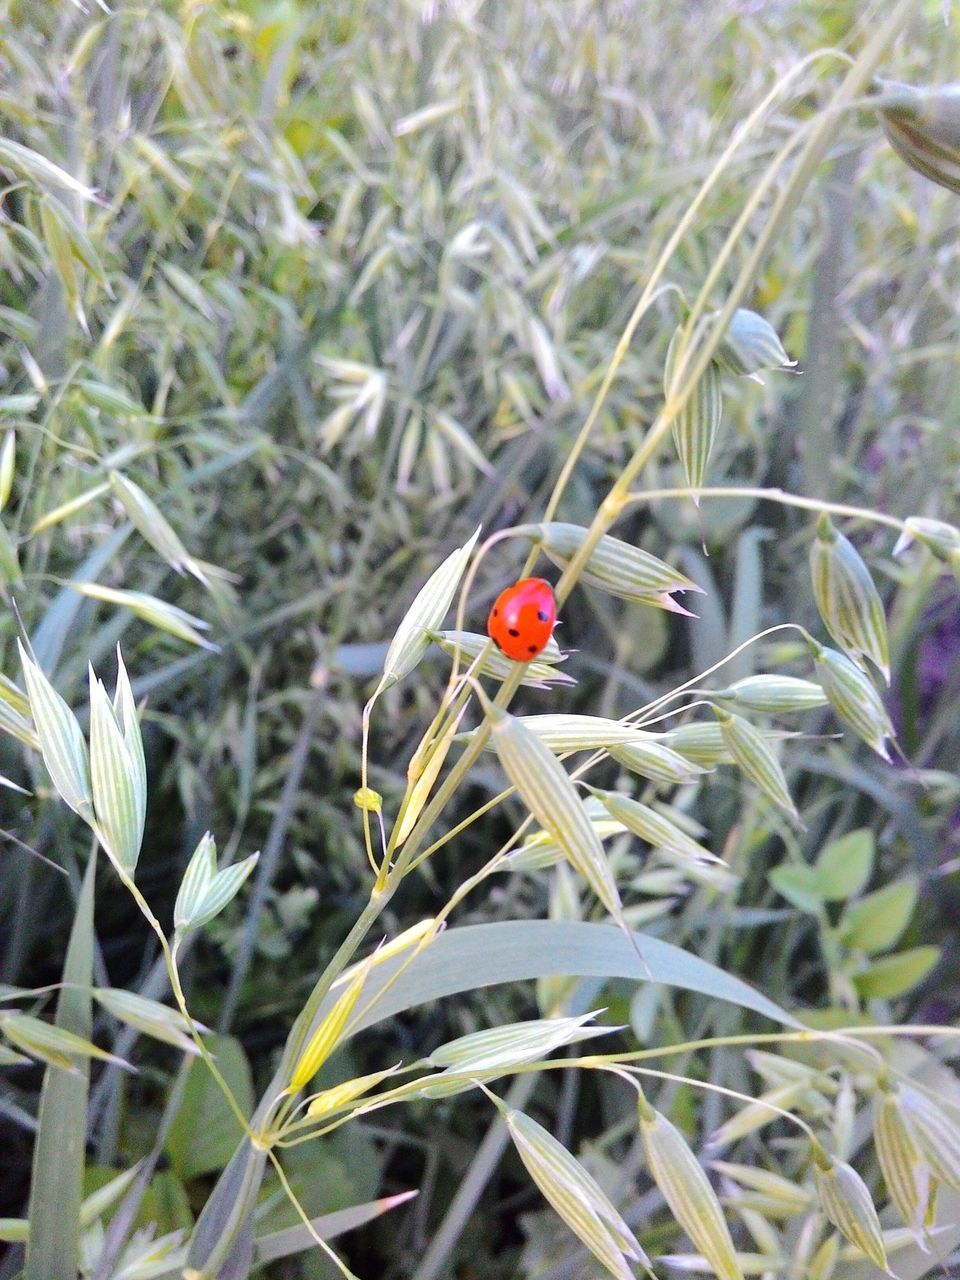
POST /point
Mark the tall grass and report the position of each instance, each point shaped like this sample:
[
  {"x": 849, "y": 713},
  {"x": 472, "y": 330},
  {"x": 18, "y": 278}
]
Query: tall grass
[{"x": 294, "y": 301}]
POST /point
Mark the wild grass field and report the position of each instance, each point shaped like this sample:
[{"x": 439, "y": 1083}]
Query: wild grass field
[{"x": 320, "y": 325}]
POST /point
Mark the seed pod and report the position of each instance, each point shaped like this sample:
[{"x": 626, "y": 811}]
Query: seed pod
[
  {"x": 750, "y": 345},
  {"x": 166, "y": 617},
  {"x": 923, "y": 127},
  {"x": 853, "y": 697},
  {"x": 785, "y": 1192},
  {"x": 904, "y": 1170},
  {"x": 575, "y": 1195},
  {"x": 846, "y": 1202},
  {"x": 753, "y": 756},
  {"x": 937, "y": 1133},
  {"x": 328, "y": 1033},
  {"x": 824, "y": 1261},
  {"x": 61, "y": 742},
  {"x": 149, "y": 1016},
  {"x": 553, "y": 800},
  {"x": 687, "y": 1191},
  {"x": 583, "y": 733},
  {"x": 848, "y": 601},
  {"x": 412, "y": 638},
  {"x": 936, "y": 535},
  {"x": 695, "y": 426},
  {"x": 701, "y": 742},
  {"x": 52, "y": 1044},
  {"x": 119, "y": 796},
  {"x": 614, "y": 566},
  {"x": 656, "y": 761},
  {"x": 502, "y": 1048},
  {"x": 774, "y": 695},
  {"x": 540, "y": 673},
  {"x": 343, "y": 1094},
  {"x": 759, "y": 1113},
  {"x": 653, "y": 827}
]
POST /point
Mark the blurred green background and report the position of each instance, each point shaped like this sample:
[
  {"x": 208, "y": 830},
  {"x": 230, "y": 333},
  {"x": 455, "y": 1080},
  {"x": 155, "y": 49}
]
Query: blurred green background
[{"x": 346, "y": 290}]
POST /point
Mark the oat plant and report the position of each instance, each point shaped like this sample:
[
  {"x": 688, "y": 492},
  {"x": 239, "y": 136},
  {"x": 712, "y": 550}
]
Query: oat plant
[{"x": 577, "y": 780}]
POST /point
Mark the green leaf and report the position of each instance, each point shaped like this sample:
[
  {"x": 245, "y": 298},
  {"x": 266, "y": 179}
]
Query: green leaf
[
  {"x": 149, "y": 1016},
  {"x": 798, "y": 884},
  {"x": 844, "y": 866},
  {"x": 476, "y": 956},
  {"x": 875, "y": 923},
  {"x": 281, "y": 1244},
  {"x": 205, "y": 1132},
  {"x": 41, "y": 171},
  {"x": 56, "y": 1184},
  {"x": 897, "y": 974}
]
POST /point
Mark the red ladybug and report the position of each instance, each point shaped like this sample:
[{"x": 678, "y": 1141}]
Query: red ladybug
[{"x": 522, "y": 619}]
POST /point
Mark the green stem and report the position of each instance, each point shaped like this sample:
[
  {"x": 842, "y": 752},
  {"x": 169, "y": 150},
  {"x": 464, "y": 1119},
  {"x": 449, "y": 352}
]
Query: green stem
[{"x": 780, "y": 496}]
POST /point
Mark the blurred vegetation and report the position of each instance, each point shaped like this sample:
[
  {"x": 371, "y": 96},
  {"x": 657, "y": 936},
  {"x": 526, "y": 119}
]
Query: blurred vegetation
[{"x": 346, "y": 290}]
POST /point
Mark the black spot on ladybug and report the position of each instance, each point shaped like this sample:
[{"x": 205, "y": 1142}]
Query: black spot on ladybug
[
  {"x": 532, "y": 649},
  {"x": 514, "y": 632},
  {"x": 541, "y": 616},
  {"x": 496, "y": 613}
]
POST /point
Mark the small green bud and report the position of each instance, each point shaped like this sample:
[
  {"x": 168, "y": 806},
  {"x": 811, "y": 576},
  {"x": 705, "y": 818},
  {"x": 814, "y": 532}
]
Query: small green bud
[
  {"x": 751, "y": 345},
  {"x": 853, "y": 697},
  {"x": 848, "y": 601},
  {"x": 923, "y": 127}
]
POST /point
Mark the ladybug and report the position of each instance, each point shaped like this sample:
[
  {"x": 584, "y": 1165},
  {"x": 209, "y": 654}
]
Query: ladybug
[{"x": 522, "y": 619}]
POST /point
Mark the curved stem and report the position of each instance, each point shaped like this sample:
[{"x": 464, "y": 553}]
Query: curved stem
[
  {"x": 173, "y": 973},
  {"x": 780, "y": 496}
]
